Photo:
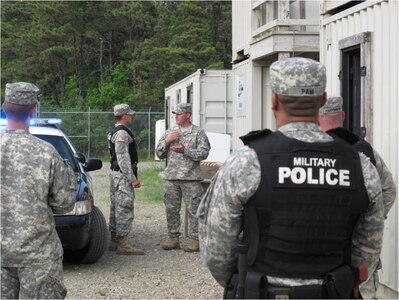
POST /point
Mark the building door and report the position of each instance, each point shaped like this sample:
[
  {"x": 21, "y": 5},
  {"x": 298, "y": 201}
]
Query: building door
[
  {"x": 351, "y": 88},
  {"x": 356, "y": 84}
]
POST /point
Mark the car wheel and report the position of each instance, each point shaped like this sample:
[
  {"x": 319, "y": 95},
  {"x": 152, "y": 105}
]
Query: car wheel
[{"x": 99, "y": 238}]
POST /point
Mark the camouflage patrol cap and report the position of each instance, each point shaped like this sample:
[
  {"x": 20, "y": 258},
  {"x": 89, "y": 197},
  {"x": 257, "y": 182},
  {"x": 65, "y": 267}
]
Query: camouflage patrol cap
[
  {"x": 122, "y": 109},
  {"x": 182, "y": 108},
  {"x": 22, "y": 93},
  {"x": 332, "y": 106},
  {"x": 298, "y": 77}
]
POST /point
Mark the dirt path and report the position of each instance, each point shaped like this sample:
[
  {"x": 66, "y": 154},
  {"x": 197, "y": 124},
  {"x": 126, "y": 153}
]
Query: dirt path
[{"x": 157, "y": 274}]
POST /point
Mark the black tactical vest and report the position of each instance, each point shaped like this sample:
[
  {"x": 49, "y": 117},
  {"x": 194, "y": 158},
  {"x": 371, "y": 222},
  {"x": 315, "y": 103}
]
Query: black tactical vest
[
  {"x": 132, "y": 148},
  {"x": 359, "y": 144},
  {"x": 299, "y": 222}
]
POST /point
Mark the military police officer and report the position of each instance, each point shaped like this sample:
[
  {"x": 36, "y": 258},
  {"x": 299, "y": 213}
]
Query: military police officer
[
  {"x": 184, "y": 146},
  {"x": 124, "y": 179},
  {"x": 331, "y": 119},
  {"x": 35, "y": 184},
  {"x": 309, "y": 207}
]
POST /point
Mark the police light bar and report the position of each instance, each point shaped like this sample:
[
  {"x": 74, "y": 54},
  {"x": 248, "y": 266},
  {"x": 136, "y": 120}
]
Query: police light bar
[
  {"x": 44, "y": 122},
  {"x": 37, "y": 122}
]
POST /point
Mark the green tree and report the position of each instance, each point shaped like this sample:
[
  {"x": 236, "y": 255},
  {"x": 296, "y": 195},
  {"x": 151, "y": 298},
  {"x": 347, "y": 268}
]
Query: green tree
[{"x": 98, "y": 53}]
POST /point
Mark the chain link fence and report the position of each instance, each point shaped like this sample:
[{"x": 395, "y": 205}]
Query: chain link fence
[{"x": 88, "y": 130}]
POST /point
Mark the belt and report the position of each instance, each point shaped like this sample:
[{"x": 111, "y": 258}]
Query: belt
[
  {"x": 297, "y": 292},
  {"x": 338, "y": 284}
]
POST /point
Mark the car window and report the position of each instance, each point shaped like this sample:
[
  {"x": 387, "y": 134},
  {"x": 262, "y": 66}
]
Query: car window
[{"x": 62, "y": 147}]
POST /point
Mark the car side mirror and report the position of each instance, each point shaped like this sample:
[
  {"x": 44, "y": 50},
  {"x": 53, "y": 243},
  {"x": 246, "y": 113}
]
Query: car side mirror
[
  {"x": 80, "y": 157},
  {"x": 92, "y": 164}
]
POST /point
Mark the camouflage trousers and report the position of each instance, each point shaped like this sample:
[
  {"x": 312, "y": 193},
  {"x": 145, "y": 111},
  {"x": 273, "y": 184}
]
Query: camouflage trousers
[
  {"x": 45, "y": 281},
  {"x": 122, "y": 205},
  {"x": 191, "y": 192}
]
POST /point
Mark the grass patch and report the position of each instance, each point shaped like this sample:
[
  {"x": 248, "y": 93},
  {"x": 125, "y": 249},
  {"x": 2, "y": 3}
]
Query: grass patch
[
  {"x": 151, "y": 190},
  {"x": 106, "y": 159}
]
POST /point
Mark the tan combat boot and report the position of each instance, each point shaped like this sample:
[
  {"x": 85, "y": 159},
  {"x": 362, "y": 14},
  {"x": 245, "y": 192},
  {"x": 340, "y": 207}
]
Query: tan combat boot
[
  {"x": 123, "y": 247},
  {"x": 193, "y": 246},
  {"x": 112, "y": 243},
  {"x": 171, "y": 243}
]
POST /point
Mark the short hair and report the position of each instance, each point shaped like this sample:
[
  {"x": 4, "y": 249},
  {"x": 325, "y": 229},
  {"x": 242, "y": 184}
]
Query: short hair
[
  {"x": 17, "y": 112},
  {"x": 306, "y": 106}
]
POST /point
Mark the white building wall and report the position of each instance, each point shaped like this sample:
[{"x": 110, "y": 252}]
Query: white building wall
[
  {"x": 216, "y": 101},
  {"x": 381, "y": 19},
  {"x": 241, "y": 102},
  {"x": 254, "y": 50},
  {"x": 241, "y": 26},
  {"x": 247, "y": 100},
  {"x": 258, "y": 113}
]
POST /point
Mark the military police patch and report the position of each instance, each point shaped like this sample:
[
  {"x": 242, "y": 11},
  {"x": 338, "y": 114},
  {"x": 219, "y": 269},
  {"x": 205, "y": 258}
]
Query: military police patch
[{"x": 306, "y": 171}]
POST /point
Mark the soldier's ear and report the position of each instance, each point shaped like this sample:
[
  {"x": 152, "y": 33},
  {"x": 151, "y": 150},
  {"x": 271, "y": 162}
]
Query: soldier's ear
[
  {"x": 274, "y": 101},
  {"x": 32, "y": 111},
  {"x": 323, "y": 100}
]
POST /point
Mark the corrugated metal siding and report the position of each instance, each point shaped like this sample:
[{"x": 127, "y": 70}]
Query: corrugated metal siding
[
  {"x": 216, "y": 102},
  {"x": 212, "y": 92},
  {"x": 381, "y": 20}
]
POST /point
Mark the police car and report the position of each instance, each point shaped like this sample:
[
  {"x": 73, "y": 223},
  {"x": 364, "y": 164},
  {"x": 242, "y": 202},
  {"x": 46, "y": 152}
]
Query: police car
[{"x": 83, "y": 231}]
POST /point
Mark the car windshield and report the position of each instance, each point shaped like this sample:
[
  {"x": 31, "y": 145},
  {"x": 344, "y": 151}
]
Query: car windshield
[{"x": 62, "y": 147}]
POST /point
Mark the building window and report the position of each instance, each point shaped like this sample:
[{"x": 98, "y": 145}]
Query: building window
[
  {"x": 266, "y": 12},
  {"x": 190, "y": 93},
  {"x": 178, "y": 96}
]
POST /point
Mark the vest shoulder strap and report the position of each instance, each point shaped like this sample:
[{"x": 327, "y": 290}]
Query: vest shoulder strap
[
  {"x": 121, "y": 127},
  {"x": 344, "y": 134},
  {"x": 355, "y": 141},
  {"x": 252, "y": 135}
]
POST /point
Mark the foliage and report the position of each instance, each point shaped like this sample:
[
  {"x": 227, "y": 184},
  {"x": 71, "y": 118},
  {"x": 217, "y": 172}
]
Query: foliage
[{"x": 98, "y": 53}]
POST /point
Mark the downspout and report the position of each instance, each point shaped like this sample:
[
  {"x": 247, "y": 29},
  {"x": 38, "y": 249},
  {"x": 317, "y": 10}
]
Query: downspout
[
  {"x": 201, "y": 113},
  {"x": 225, "y": 103}
]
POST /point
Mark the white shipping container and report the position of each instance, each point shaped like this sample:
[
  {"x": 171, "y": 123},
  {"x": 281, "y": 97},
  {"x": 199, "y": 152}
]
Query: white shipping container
[
  {"x": 159, "y": 131},
  {"x": 210, "y": 93}
]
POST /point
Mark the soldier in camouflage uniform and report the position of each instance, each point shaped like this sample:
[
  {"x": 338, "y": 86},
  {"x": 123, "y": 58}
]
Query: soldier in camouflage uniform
[
  {"x": 331, "y": 119},
  {"x": 291, "y": 209},
  {"x": 184, "y": 146},
  {"x": 35, "y": 184},
  {"x": 124, "y": 179}
]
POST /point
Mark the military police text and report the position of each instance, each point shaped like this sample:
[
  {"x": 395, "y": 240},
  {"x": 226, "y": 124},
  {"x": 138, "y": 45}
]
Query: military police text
[{"x": 300, "y": 175}]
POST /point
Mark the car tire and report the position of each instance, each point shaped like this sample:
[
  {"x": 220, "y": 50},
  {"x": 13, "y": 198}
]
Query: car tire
[{"x": 98, "y": 243}]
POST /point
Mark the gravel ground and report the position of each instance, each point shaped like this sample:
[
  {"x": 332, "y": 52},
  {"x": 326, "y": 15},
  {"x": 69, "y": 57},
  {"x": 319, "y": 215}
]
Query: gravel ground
[{"x": 157, "y": 274}]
